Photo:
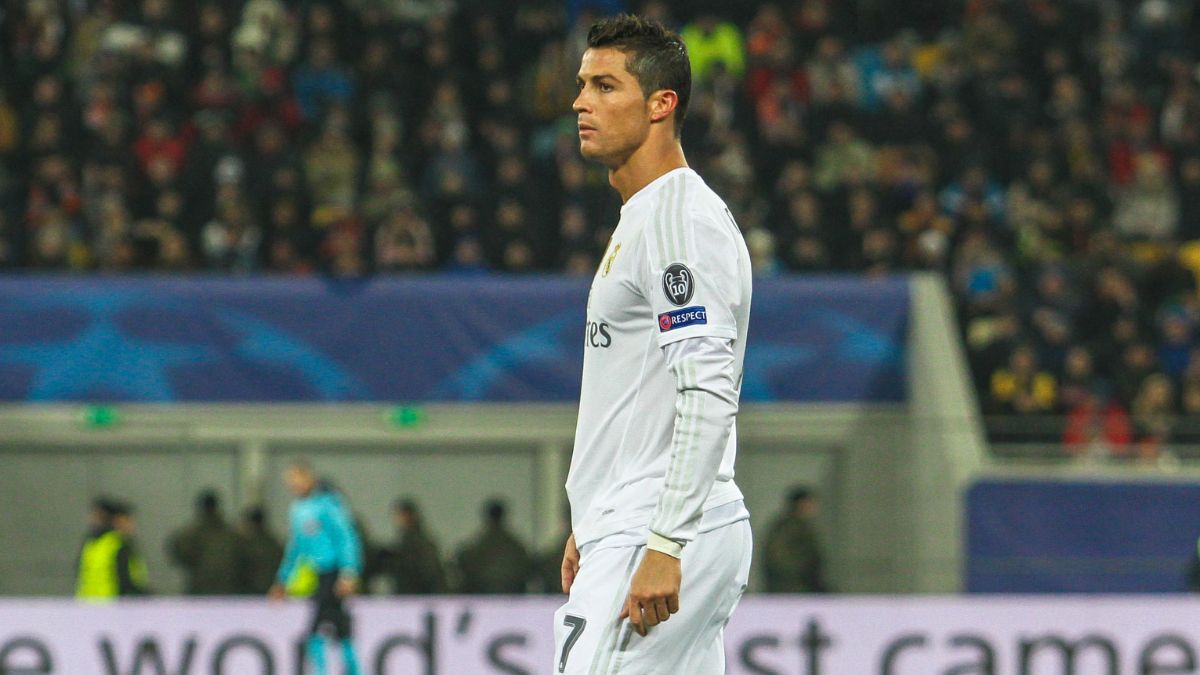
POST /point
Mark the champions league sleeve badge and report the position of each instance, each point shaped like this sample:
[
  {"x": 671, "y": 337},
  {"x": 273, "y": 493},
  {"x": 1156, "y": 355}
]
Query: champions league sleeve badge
[{"x": 678, "y": 284}]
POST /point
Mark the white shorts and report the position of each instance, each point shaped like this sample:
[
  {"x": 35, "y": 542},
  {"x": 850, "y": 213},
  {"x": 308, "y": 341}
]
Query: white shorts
[{"x": 589, "y": 640}]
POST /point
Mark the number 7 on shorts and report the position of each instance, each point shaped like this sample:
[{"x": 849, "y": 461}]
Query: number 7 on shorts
[{"x": 576, "y": 624}]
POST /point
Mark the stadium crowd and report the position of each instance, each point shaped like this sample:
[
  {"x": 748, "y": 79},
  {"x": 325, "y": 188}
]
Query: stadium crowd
[{"x": 1043, "y": 154}]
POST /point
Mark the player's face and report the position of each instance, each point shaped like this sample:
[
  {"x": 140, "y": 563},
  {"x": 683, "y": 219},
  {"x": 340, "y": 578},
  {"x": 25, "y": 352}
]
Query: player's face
[{"x": 614, "y": 114}]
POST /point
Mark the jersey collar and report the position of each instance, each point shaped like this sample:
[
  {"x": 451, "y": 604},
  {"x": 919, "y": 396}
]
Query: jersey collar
[{"x": 653, "y": 186}]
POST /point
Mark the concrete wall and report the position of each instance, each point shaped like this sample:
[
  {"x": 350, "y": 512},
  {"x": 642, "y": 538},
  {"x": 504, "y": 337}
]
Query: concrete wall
[{"x": 948, "y": 444}]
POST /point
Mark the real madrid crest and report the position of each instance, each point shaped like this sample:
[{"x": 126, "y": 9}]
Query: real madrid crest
[{"x": 611, "y": 257}]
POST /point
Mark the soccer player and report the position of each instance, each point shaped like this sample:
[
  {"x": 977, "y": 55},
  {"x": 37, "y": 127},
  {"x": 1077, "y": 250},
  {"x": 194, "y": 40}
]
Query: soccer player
[
  {"x": 323, "y": 543},
  {"x": 660, "y": 548}
]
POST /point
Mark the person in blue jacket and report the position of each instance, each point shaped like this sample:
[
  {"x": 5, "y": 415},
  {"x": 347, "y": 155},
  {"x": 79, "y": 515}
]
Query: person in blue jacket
[{"x": 324, "y": 548}]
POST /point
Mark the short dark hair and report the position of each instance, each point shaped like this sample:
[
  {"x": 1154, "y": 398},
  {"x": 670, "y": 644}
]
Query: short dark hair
[
  {"x": 256, "y": 516},
  {"x": 654, "y": 54},
  {"x": 799, "y": 493},
  {"x": 208, "y": 501},
  {"x": 495, "y": 510},
  {"x": 105, "y": 506}
]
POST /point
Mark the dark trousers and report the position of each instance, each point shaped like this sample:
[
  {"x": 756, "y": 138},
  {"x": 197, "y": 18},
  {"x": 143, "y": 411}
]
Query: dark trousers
[{"x": 329, "y": 610}]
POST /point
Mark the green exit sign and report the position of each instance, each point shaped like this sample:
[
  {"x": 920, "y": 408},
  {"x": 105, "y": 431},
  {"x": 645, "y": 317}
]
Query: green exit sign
[
  {"x": 100, "y": 416},
  {"x": 406, "y": 416}
]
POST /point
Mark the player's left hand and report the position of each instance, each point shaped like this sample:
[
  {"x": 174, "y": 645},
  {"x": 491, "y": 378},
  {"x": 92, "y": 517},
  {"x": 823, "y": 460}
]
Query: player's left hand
[
  {"x": 346, "y": 586},
  {"x": 653, "y": 592}
]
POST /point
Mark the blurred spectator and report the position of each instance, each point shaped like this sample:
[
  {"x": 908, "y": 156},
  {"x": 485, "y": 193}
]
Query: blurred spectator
[
  {"x": 10, "y": 127},
  {"x": 160, "y": 142},
  {"x": 467, "y": 257},
  {"x": 512, "y": 242},
  {"x": 794, "y": 561},
  {"x": 96, "y": 578},
  {"x": 373, "y": 555},
  {"x": 974, "y": 195},
  {"x": 1190, "y": 395},
  {"x": 261, "y": 553},
  {"x": 1033, "y": 212},
  {"x": 291, "y": 243},
  {"x": 1176, "y": 339},
  {"x": 413, "y": 562},
  {"x": 110, "y": 564},
  {"x": 209, "y": 550},
  {"x": 1189, "y": 198},
  {"x": 494, "y": 560},
  {"x": 1193, "y": 574},
  {"x": 547, "y": 85},
  {"x": 1148, "y": 207},
  {"x": 843, "y": 158},
  {"x": 1137, "y": 363},
  {"x": 831, "y": 74},
  {"x": 404, "y": 241},
  {"x": 331, "y": 169},
  {"x": 805, "y": 235},
  {"x": 1112, "y": 299},
  {"x": 322, "y": 81},
  {"x": 1022, "y": 388},
  {"x": 1153, "y": 415},
  {"x": 885, "y": 72},
  {"x": 132, "y": 574},
  {"x": 1098, "y": 427},
  {"x": 1079, "y": 378},
  {"x": 713, "y": 43},
  {"x": 231, "y": 241},
  {"x": 925, "y": 229},
  {"x": 763, "y": 259}
]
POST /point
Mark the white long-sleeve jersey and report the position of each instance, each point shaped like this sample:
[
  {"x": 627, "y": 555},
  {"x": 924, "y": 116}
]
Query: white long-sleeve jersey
[{"x": 667, "y": 315}]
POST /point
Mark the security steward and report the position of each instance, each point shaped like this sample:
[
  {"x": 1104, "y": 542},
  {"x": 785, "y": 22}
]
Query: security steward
[{"x": 109, "y": 564}]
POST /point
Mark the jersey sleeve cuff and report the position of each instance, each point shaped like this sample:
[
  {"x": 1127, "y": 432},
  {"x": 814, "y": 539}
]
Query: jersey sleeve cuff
[
  {"x": 657, "y": 542},
  {"x": 723, "y": 332}
]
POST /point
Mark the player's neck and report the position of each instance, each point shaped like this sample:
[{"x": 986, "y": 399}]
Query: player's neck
[{"x": 650, "y": 161}]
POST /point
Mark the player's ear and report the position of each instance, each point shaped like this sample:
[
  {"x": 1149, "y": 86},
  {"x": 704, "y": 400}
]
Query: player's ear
[{"x": 662, "y": 105}]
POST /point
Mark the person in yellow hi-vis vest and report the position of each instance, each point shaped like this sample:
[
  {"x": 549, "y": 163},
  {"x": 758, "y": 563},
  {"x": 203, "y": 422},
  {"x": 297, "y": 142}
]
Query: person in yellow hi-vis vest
[{"x": 109, "y": 564}]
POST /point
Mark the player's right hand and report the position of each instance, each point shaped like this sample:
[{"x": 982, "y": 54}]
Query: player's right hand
[
  {"x": 570, "y": 564},
  {"x": 653, "y": 592},
  {"x": 277, "y": 592}
]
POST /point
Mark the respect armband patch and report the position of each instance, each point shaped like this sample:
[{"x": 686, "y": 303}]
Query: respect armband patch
[{"x": 682, "y": 318}]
